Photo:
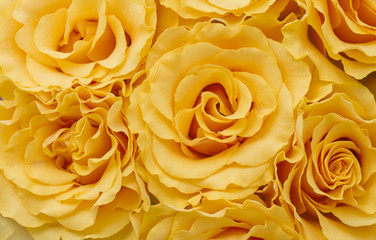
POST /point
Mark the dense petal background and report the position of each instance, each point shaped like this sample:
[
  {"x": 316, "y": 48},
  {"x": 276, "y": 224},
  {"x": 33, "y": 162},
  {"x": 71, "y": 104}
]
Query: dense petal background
[
  {"x": 200, "y": 9},
  {"x": 187, "y": 119},
  {"x": 218, "y": 220},
  {"x": 345, "y": 31}
]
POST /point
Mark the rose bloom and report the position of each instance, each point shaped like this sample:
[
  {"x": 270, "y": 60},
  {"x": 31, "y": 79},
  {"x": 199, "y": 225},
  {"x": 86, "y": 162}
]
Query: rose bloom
[
  {"x": 346, "y": 31},
  {"x": 218, "y": 220},
  {"x": 328, "y": 177},
  {"x": 331, "y": 176},
  {"x": 67, "y": 168},
  {"x": 214, "y": 110},
  {"x": 63, "y": 43}
]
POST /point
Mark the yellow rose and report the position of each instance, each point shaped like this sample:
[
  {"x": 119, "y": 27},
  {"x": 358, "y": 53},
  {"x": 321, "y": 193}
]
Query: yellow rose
[
  {"x": 347, "y": 32},
  {"x": 214, "y": 110},
  {"x": 217, "y": 8},
  {"x": 62, "y": 43},
  {"x": 328, "y": 177},
  {"x": 218, "y": 220},
  {"x": 67, "y": 168}
]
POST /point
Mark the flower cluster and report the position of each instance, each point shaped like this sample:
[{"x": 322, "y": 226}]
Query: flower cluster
[{"x": 187, "y": 119}]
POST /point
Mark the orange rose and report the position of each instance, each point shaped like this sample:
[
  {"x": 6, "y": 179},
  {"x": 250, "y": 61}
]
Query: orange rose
[
  {"x": 61, "y": 43},
  {"x": 67, "y": 168}
]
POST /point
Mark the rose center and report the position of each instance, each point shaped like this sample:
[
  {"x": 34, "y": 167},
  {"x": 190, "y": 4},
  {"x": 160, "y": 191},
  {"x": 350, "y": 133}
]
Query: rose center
[
  {"x": 340, "y": 167},
  {"x": 84, "y": 31},
  {"x": 222, "y": 104},
  {"x": 210, "y": 122},
  {"x": 73, "y": 148},
  {"x": 338, "y": 162}
]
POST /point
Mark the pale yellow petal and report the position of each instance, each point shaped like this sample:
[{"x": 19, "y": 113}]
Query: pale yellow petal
[{"x": 11, "y": 230}]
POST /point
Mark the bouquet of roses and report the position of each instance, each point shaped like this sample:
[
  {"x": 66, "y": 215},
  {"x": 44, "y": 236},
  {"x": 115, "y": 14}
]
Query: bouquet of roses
[{"x": 187, "y": 119}]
